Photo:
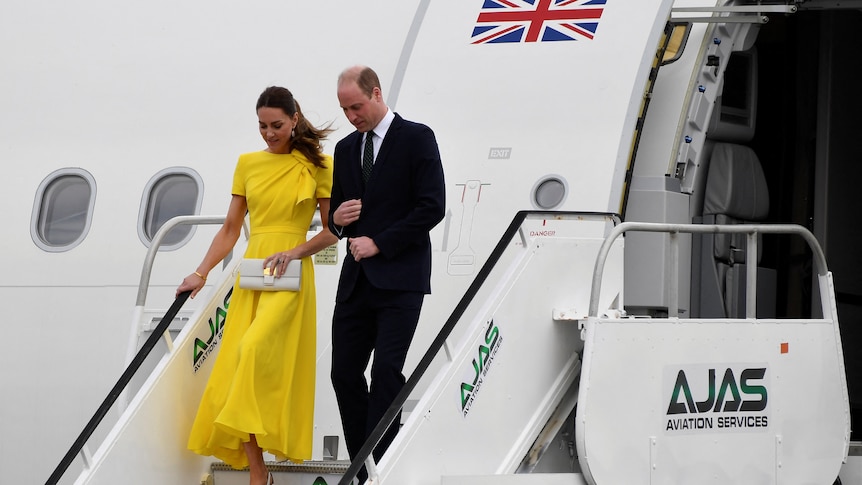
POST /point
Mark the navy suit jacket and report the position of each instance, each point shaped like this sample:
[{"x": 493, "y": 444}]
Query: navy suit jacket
[{"x": 405, "y": 197}]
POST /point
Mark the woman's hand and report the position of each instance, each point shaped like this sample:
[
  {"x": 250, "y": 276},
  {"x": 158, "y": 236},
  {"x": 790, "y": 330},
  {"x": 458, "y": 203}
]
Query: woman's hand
[
  {"x": 194, "y": 282},
  {"x": 278, "y": 262}
]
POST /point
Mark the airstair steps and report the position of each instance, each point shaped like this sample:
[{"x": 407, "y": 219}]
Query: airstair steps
[
  {"x": 491, "y": 403},
  {"x": 330, "y": 472},
  {"x": 327, "y": 472},
  {"x": 519, "y": 479}
]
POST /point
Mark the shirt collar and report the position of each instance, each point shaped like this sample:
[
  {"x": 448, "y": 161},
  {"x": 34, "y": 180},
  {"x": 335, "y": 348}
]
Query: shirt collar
[{"x": 383, "y": 127}]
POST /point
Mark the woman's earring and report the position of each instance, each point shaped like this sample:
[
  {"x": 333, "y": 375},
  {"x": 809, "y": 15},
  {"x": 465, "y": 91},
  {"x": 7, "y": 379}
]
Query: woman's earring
[{"x": 293, "y": 133}]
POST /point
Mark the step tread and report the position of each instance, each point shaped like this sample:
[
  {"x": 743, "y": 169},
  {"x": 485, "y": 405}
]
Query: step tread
[{"x": 329, "y": 467}]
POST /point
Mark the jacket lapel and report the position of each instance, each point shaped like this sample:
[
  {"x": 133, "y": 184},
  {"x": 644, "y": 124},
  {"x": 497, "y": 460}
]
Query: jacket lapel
[
  {"x": 356, "y": 164},
  {"x": 386, "y": 147}
]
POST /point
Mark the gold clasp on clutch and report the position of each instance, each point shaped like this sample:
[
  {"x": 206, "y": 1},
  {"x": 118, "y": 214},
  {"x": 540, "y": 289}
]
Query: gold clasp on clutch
[{"x": 268, "y": 276}]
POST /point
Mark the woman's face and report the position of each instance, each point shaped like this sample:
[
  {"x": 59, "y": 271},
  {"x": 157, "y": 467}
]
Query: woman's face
[{"x": 275, "y": 127}]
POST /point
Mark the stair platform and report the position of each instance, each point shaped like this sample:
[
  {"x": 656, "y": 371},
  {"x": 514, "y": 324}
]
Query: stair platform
[
  {"x": 327, "y": 472},
  {"x": 520, "y": 479}
]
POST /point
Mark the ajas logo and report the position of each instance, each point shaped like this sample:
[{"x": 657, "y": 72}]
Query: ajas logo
[
  {"x": 481, "y": 365},
  {"x": 697, "y": 400},
  {"x": 201, "y": 350}
]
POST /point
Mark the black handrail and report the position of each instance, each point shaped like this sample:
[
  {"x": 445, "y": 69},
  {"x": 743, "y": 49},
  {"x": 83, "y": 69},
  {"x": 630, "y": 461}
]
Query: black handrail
[
  {"x": 391, "y": 413},
  {"x": 118, "y": 388}
]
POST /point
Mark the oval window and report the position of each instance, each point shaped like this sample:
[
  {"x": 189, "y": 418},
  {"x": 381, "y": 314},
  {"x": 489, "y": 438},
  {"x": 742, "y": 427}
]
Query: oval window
[
  {"x": 63, "y": 209},
  {"x": 172, "y": 192},
  {"x": 549, "y": 192}
]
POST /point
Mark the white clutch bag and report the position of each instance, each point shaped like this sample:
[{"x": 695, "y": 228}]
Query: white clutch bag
[{"x": 253, "y": 276}]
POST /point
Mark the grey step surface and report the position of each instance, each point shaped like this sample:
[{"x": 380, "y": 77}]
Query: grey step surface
[
  {"x": 327, "y": 472},
  {"x": 526, "y": 479}
]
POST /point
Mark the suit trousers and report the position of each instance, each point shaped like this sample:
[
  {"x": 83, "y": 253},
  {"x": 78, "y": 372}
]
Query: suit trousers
[{"x": 382, "y": 321}]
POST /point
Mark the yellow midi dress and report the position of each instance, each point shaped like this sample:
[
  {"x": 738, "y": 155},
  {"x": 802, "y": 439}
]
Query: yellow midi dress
[{"x": 262, "y": 382}]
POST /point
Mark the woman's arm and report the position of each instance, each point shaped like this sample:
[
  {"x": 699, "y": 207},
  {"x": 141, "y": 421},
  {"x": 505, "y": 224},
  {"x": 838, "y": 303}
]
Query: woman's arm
[
  {"x": 222, "y": 244},
  {"x": 321, "y": 240}
]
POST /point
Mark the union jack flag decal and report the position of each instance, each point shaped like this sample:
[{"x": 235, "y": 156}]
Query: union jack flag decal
[{"x": 502, "y": 21}]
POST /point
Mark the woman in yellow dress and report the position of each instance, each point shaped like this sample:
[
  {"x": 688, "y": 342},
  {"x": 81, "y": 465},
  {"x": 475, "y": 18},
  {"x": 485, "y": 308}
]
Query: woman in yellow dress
[{"x": 260, "y": 395}]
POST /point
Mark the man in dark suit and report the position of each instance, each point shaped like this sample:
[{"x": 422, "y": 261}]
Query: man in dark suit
[{"x": 387, "y": 195}]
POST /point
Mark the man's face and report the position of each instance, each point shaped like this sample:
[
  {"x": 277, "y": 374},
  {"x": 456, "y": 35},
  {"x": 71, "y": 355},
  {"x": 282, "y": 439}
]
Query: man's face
[{"x": 363, "y": 112}]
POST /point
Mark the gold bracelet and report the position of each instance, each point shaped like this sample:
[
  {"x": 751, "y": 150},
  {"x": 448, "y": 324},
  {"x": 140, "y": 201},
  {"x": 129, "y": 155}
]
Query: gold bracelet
[{"x": 201, "y": 276}]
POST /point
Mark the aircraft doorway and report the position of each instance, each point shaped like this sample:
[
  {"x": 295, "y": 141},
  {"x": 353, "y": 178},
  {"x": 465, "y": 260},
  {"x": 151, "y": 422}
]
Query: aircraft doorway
[{"x": 808, "y": 138}]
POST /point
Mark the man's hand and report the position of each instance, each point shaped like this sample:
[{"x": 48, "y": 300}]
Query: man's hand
[
  {"x": 362, "y": 247},
  {"x": 347, "y": 213}
]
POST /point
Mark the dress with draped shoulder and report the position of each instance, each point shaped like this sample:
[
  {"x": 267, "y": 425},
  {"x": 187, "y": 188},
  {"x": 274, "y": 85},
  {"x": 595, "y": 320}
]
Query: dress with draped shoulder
[{"x": 262, "y": 382}]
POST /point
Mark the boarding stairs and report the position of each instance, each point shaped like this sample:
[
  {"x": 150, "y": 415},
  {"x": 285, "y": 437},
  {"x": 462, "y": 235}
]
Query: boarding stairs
[
  {"x": 539, "y": 376},
  {"x": 659, "y": 400}
]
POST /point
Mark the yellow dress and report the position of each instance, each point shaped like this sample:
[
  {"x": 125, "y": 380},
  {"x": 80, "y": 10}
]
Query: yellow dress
[{"x": 262, "y": 381}]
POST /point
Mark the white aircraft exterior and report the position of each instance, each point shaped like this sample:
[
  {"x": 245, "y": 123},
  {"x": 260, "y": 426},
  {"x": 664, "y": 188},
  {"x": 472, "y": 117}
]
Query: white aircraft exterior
[{"x": 117, "y": 116}]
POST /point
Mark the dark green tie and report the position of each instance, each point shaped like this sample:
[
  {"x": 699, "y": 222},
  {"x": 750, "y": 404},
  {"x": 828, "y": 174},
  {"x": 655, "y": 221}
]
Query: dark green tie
[{"x": 368, "y": 156}]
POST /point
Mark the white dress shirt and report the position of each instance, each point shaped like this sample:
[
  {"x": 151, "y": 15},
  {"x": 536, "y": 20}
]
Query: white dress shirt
[{"x": 380, "y": 132}]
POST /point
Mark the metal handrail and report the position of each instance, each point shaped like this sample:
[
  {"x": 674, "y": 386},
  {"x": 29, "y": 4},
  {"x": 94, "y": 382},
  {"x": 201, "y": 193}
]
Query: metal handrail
[
  {"x": 386, "y": 421},
  {"x": 146, "y": 271},
  {"x": 749, "y": 14},
  {"x": 674, "y": 229}
]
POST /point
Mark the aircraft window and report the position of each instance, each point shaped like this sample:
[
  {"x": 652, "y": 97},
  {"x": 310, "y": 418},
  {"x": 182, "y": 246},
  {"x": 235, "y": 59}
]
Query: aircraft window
[
  {"x": 172, "y": 192},
  {"x": 676, "y": 43},
  {"x": 550, "y": 192},
  {"x": 63, "y": 209}
]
